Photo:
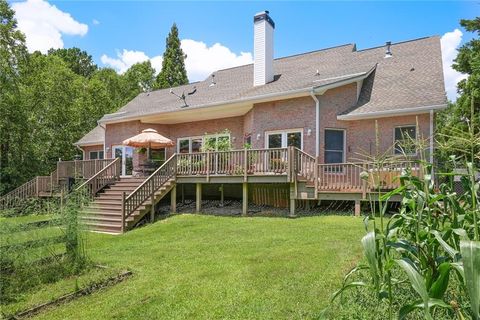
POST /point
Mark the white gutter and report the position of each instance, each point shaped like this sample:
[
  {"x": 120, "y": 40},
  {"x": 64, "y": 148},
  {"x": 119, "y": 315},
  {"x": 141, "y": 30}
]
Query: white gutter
[
  {"x": 317, "y": 123},
  {"x": 389, "y": 113}
]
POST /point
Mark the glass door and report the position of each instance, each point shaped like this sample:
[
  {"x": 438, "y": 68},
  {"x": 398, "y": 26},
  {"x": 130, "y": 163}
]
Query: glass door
[{"x": 126, "y": 154}]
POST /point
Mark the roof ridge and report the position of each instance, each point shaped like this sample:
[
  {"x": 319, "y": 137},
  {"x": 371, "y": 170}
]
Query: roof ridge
[{"x": 400, "y": 42}]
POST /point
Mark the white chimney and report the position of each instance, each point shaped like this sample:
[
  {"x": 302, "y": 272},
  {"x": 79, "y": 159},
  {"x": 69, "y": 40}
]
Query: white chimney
[{"x": 263, "y": 27}]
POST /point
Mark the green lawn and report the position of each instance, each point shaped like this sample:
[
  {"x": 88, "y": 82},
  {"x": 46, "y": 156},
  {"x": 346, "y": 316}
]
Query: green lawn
[{"x": 195, "y": 266}]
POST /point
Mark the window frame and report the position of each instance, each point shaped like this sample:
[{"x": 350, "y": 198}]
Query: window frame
[
  {"x": 344, "y": 151},
  {"x": 97, "y": 152},
  {"x": 207, "y": 136},
  {"x": 414, "y": 126},
  {"x": 284, "y": 133}
]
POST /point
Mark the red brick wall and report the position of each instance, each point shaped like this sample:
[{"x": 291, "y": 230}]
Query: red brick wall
[
  {"x": 285, "y": 114},
  {"x": 281, "y": 115}
]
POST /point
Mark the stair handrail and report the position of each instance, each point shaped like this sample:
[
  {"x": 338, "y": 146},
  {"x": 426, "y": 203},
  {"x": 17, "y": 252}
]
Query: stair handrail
[
  {"x": 102, "y": 178},
  {"x": 22, "y": 192},
  {"x": 148, "y": 187}
]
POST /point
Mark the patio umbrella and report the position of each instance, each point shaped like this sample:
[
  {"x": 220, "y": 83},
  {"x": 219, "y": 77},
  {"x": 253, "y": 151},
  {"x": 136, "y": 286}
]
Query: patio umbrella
[{"x": 149, "y": 138}]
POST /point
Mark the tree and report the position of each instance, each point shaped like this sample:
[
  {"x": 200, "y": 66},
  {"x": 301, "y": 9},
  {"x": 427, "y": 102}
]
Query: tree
[
  {"x": 464, "y": 114},
  {"x": 77, "y": 60},
  {"x": 139, "y": 78},
  {"x": 13, "y": 57},
  {"x": 173, "y": 71}
]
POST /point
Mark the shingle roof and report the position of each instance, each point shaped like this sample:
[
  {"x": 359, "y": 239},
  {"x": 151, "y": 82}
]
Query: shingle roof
[
  {"x": 413, "y": 77},
  {"x": 95, "y": 136}
]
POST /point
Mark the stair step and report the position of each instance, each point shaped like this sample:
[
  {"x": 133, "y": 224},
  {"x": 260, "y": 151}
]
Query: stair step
[{"x": 99, "y": 219}]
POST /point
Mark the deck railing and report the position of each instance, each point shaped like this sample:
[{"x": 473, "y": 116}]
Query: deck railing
[
  {"x": 147, "y": 189},
  {"x": 235, "y": 162},
  {"x": 81, "y": 168},
  {"x": 106, "y": 176},
  {"x": 44, "y": 185}
]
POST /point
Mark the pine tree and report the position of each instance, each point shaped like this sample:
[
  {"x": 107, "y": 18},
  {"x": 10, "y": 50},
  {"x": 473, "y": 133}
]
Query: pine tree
[{"x": 173, "y": 65}]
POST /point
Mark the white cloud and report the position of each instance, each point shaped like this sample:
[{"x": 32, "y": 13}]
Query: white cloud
[
  {"x": 201, "y": 59},
  {"x": 44, "y": 24},
  {"x": 450, "y": 41},
  {"x": 128, "y": 58}
]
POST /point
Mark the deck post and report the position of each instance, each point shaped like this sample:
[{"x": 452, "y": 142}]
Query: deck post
[
  {"x": 173, "y": 200},
  {"x": 292, "y": 201},
  {"x": 244, "y": 198},
  {"x": 222, "y": 196},
  {"x": 208, "y": 166},
  {"x": 357, "y": 208},
  {"x": 198, "y": 197},
  {"x": 245, "y": 165},
  {"x": 152, "y": 199},
  {"x": 123, "y": 212}
]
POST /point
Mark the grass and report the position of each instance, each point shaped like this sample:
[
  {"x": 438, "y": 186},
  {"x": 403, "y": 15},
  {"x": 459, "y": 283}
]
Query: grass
[{"x": 196, "y": 266}]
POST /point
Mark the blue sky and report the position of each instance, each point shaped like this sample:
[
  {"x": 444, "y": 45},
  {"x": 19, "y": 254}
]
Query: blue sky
[{"x": 119, "y": 33}]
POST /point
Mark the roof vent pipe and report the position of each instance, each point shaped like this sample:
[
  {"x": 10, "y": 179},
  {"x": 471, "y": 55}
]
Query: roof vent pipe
[{"x": 388, "y": 52}]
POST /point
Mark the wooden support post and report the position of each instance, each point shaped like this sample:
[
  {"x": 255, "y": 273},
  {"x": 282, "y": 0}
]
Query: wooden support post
[
  {"x": 183, "y": 194},
  {"x": 152, "y": 199},
  {"x": 173, "y": 200},
  {"x": 208, "y": 166},
  {"x": 245, "y": 165},
  {"x": 357, "y": 208},
  {"x": 245, "y": 199},
  {"x": 292, "y": 201},
  {"x": 123, "y": 212},
  {"x": 198, "y": 197},
  {"x": 222, "y": 196}
]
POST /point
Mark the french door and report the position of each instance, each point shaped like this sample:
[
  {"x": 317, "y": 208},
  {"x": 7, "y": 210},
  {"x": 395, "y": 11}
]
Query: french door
[
  {"x": 126, "y": 154},
  {"x": 283, "y": 139}
]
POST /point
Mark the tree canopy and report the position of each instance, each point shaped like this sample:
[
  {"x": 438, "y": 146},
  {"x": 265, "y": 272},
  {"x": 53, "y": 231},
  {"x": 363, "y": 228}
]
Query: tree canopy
[
  {"x": 173, "y": 71},
  {"x": 459, "y": 125},
  {"x": 49, "y": 101}
]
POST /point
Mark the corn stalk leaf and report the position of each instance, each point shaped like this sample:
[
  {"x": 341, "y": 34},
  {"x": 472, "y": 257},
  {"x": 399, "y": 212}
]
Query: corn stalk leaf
[
  {"x": 370, "y": 250},
  {"x": 417, "y": 282},
  {"x": 451, "y": 251},
  {"x": 439, "y": 286},
  {"x": 471, "y": 263},
  {"x": 406, "y": 309}
]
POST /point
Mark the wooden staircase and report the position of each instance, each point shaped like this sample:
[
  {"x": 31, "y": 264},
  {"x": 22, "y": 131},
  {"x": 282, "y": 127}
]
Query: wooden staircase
[{"x": 104, "y": 214}]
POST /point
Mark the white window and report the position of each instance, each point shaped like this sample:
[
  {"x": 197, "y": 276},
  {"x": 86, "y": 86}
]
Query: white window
[
  {"x": 195, "y": 144},
  {"x": 284, "y": 138},
  {"x": 334, "y": 146},
  {"x": 96, "y": 155},
  {"x": 404, "y": 138}
]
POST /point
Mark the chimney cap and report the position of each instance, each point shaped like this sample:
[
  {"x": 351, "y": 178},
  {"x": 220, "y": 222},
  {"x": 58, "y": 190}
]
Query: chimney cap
[{"x": 264, "y": 15}]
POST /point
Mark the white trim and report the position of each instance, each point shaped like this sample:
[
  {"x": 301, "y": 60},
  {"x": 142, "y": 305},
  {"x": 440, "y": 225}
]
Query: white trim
[
  {"x": 317, "y": 124},
  {"x": 322, "y": 89},
  {"x": 389, "y": 113},
  {"x": 284, "y": 136},
  {"x": 340, "y": 77},
  {"x": 89, "y": 144},
  {"x": 344, "y": 155},
  {"x": 394, "y": 140},
  {"x": 215, "y": 135},
  {"x": 123, "y": 164}
]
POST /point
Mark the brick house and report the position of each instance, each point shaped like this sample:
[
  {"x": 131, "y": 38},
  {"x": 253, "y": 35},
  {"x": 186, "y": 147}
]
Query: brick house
[
  {"x": 324, "y": 102},
  {"x": 310, "y": 121}
]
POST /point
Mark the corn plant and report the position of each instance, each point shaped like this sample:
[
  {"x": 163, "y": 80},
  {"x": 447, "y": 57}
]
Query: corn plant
[{"x": 432, "y": 239}]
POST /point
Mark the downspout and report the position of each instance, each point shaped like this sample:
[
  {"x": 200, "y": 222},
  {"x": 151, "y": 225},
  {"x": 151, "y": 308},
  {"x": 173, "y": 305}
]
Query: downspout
[
  {"x": 83, "y": 151},
  {"x": 317, "y": 123},
  {"x": 104, "y": 127}
]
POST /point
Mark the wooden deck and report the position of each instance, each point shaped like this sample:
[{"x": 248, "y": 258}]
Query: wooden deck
[{"x": 305, "y": 177}]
